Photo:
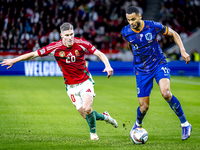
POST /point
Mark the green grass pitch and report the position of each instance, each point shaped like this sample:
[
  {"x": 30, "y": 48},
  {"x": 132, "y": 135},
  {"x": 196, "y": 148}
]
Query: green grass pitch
[{"x": 36, "y": 113}]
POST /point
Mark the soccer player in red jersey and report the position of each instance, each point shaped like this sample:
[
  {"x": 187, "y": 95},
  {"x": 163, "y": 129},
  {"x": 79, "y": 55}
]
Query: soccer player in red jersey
[{"x": 69, "y": 54}]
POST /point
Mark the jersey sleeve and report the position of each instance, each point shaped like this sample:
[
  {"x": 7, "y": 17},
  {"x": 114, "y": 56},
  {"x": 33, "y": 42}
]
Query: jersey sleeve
[
  {"x": 90, "y": 48},
  {"x": 160, "y": 28},
  {"x": 47, "y": 50},
  {"x": 123, "y": 33},
  {"x": 165, "y": 30}
]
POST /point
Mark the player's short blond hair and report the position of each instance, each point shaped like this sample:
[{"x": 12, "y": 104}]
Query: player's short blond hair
[{"x": 66, "y": 26}]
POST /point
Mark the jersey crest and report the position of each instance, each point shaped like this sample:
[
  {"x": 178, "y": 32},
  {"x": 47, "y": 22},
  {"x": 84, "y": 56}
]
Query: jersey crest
[
  {"x": 148, "y": 37},
  {"x": 62, "y": 54},
  {"x": 77, "y": 53}
]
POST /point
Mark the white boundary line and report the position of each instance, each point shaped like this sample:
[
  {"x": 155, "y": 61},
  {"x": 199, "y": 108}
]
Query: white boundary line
[{"x": 185, "y": 82}]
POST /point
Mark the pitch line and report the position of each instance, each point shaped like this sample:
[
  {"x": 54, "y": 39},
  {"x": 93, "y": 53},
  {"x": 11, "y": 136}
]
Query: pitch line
[{"x": 185, "y": 82}]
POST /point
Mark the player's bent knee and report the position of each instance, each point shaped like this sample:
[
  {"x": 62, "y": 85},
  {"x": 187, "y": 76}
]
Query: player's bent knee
[
  {"x": 166, "y": 95},
  {"x": 87, "y": 109},
  {"x": 144, "y": 108}
]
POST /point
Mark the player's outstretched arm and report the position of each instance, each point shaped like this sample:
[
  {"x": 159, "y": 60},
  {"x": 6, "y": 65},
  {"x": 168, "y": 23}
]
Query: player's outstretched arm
[
  {"x": 178, "y": 41},
  {"x": 11, "y": 62},
  {"x": 104, "y": 59}
]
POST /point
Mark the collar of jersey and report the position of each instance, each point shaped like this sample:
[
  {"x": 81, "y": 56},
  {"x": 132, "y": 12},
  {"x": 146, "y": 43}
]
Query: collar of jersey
[{"x": 141, "y": 29}]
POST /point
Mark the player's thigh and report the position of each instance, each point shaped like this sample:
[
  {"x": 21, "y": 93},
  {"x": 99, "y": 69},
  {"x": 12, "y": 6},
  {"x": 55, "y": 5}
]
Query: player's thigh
[
  {"x": 162, "y": 76},
  {"x": 74, "y": 95},
  {"x": 87, "y": 94},
  {"x": 87, "y": 102},
  {"x": 164, "y": 85},
  {"x": 144, "y": 84},
  {"x": 87, "y": 91}
]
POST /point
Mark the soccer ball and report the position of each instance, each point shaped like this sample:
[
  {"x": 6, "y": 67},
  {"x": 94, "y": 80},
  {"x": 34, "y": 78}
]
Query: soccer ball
[{"x": 138, "y": 136}]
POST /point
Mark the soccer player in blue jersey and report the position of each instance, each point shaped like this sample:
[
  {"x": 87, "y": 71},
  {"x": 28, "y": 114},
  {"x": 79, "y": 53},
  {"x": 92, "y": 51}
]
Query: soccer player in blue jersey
[{"x": 149, "y": 63}]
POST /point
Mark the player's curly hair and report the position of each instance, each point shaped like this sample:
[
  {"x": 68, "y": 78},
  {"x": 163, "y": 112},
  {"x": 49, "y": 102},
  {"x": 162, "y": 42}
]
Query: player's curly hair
[
  {"x": 133, "y": 9},
  {"x": 66, "y": 26}
]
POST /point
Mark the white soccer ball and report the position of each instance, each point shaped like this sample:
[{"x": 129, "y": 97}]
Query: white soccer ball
[{"x": 138, "y": 136}]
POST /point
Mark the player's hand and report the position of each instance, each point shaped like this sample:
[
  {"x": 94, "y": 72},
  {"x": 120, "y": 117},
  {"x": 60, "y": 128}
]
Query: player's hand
[
  {"x": 7, "y": 62},
  {"x": 186, "y": 57},
  {"x": 109, "y": 71}
]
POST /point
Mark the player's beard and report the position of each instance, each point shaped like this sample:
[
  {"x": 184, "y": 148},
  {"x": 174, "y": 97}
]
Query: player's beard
[
  {"x": 70, "y": 43},
  {"x": 136, "y": 27}
]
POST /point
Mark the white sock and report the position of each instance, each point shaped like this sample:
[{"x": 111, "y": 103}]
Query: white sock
[
  {"x": 185, "y": 124},
  {"x": 105, "y": 117},
  {"x": 138, "y": 123}
]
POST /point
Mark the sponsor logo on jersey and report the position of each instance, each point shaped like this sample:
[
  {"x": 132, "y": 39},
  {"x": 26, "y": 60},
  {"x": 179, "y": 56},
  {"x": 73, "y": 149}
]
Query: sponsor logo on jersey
[
  {"x": 132, "y": 40},
  {"x": 148, "y": 37},
  {"x": 88, "y": 90},
  {"x": 62, "y": 54},
  {"x": 42, "y": 51},
  {"x": 77, "y": 53},
  {"x": 69, "y": 54}
]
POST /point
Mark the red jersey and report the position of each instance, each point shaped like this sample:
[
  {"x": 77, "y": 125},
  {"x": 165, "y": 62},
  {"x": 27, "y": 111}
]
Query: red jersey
[{"x": 70, "y": 59}]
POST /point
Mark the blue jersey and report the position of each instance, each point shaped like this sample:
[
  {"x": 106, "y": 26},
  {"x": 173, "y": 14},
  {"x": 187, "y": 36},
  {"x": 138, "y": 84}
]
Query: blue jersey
[{"x": 145, "y": 47}]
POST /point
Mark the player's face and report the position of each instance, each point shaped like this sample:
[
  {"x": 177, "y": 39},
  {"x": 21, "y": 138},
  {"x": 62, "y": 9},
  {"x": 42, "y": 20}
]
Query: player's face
[
  {"x": 67, "y": 37},
  {"x": 134, "y": 20}
]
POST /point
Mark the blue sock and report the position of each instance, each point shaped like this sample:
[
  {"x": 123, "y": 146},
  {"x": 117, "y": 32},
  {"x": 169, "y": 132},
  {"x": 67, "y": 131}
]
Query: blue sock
[
  {"x": 140, "y": 116},
  {"x": 176, "y": 107}
]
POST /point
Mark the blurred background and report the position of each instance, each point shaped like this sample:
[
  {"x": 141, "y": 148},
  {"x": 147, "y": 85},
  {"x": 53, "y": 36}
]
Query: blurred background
[{"x": 27, "y": 25}]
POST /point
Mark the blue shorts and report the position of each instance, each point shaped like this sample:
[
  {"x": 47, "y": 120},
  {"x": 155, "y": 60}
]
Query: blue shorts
[{"x": 145, "y": 81}]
